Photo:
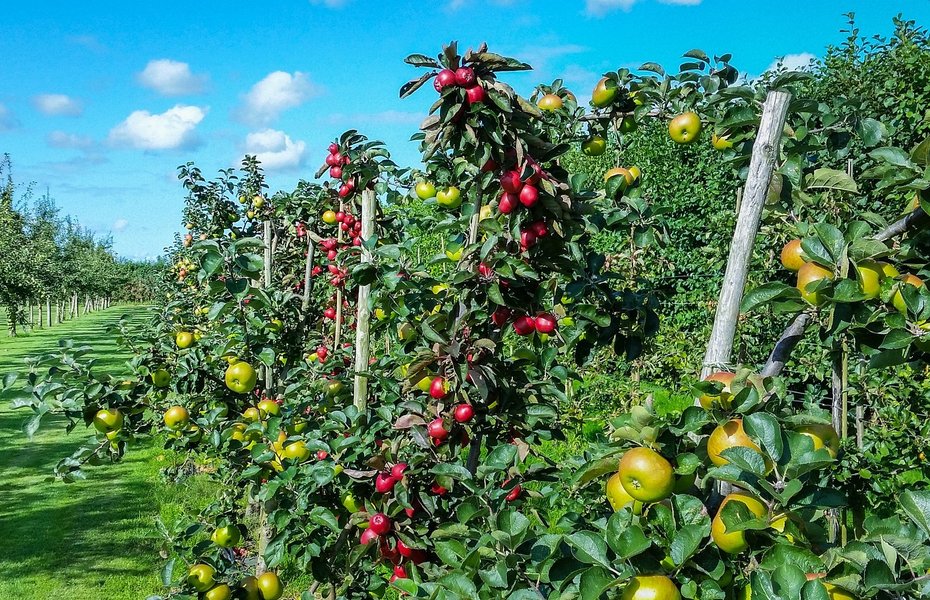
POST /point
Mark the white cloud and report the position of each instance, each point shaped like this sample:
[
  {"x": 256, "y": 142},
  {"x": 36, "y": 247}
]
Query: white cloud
[
  {"x": 275, "y": 149},
  {"x": 120, "y": 225},
  {"x": 453, "y": 5},
  {"x": 58, "y": 105},
  {"x": 793, "y": 62},
  {"x": 171, "y": 78},
  {"x": 577, "y": 74},
  {"x": 273, "y": 95},
  {"x": 599, "y": 8},
  {"x": 87, "y": 41},
  {"x": 392, "y": 117},
  {"x": 61, "y": 139},
  {"x": 7, "y": 120},
  {"x": 539, "y": 56},
  {"x": 173, "y": 128},
  {"x": 330, "y": 3}
]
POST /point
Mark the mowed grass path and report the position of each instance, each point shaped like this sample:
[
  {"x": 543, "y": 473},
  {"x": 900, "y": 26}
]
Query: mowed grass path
[{"x": 90, "y": 540}]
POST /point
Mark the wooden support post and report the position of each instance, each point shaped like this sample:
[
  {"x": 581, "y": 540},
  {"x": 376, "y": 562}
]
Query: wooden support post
[
  {"x": 266, "y": 283},
  {"x": 363, "y": 311},
  {"x": 308, "y": 279},
  {"x": 338, "y": 335},
  {"x": 474, "y": 449},
  {"x": 762, "y": 164}
]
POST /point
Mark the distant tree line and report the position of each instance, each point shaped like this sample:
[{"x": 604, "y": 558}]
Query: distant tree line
[{"x": 52, "y": 268}]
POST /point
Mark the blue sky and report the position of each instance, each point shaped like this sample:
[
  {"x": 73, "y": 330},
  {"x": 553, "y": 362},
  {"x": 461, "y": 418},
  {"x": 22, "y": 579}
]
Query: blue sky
[{"x": 101, "y": 101}]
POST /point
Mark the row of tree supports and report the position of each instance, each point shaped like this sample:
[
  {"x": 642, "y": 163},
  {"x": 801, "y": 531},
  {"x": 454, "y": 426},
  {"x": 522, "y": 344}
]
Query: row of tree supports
[{"x": 48, "y": 312}]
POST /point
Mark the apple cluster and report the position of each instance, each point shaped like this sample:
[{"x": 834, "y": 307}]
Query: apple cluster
[{"x": 463, "y": 77}]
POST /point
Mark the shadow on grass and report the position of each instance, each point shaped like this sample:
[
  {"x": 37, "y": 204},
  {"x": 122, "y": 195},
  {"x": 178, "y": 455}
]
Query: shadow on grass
[{"x": 87, "y": 535}]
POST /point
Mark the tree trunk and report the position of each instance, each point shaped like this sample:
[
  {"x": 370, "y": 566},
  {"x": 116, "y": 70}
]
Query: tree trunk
[
  {"x": 764, "y": 153},
  {"x": 363, "y": 311}
]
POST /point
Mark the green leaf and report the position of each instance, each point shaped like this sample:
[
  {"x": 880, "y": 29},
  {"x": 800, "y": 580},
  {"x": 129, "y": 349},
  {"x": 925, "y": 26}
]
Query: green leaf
[
  {"x": 832, "y": 239},
  {"x": 766, "y": 293},
  {"x": 324, "y": 516},
  {"x": 460, "y": 584},
  {"x": 495, "y": 577},
  {"x": 501, "y": 457},
  {"x": 765, "y": 428},
  {"x": 589, "y": 547},
  {"x": 831, "y": 179},
  {"x": 916, "y": 504},
  {"x": 594, "y": 582},
  {"x": 871, "y": 131},
  {"x": 626, "y": 541},
  {"x": 893, "y": 156},
  {"x": 266, "y": 356},
  {"x": 686, "y": 542}
]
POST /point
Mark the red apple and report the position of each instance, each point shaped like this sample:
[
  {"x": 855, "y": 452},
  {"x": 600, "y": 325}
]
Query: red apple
[
  {"x": 380, "y": 523},
  {"x": 384, "y": 483},
  {"x": 510, "y": 182},
  {"x": 539, "y": 228},
  {"x": 333, "y": 159},
  {"x": 335, "y": 172},
  {"x": 529, "y": 195},
  {"x": 437, "y": 388},
  {"x": 508, "y": 203},
  {"x": 527, "y": 239},
  {"x": 500, "y": 316},
  {"x": 475, "y": 94},
  {"x": 464, "y": 413},
  {"x": 485, "y": 270},
  {"x": 465, "y": 76},
  {"x": 514, "y": 493},
  {"x": 438, "y": 489},
  {"x": 437, "y": 430},
  {"x": 404, "y": 550},
  {"x": 334, "y": 148},
  {"x": 397, "y": 471},
  {"x": 444, "y": 79},
  {"x": 545, "y": 323},
  {"x": 368, "y": 536},
  {"x": 524, "y": 325}
]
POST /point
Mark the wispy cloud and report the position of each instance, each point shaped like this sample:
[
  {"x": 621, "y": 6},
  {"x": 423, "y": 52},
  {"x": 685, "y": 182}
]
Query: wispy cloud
[
  {"x": 61, "y": 139},
  {"x": 87, "y": 41},
  {"x": 390, "y": 117},
  {"x": 7, "y": 120},
  {"x": 171, "y": 78},
  {"x": 599, "y": 8},
  {"x": 120, "y": 225},
  {"x": 330, "y": 3},
  {"x": 539, "y": 57},
  {"x": 171, "y": 129},
  {"x": 58, "y": 105},
  {"x": 454, "y": 5},
  {"x": 275, "y": 149},
  {"x": 793, "y": 62},
  {"x": 276, "y": 93}
]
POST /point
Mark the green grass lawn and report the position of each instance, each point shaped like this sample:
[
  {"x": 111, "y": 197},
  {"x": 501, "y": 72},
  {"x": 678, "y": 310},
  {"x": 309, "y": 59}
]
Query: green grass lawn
[{"x": 91, "y": 540}]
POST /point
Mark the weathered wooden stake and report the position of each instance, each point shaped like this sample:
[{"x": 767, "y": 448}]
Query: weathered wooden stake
[
  {"x": 266, "y": 283},
  {"x": 308, "y": 269},
  {"x": 764, "y": 153},
  {"x": 363, "y": 311}
]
